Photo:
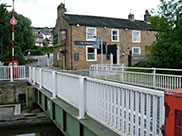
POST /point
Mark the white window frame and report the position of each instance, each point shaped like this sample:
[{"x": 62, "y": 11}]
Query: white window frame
[
  {"x": 93, "y": 39},
  {"x": 95, "y": 52},
  {"x": 139, "y": 39},
  {"x": 117, "y": 35},
  {"x": 135, "y": 53}
]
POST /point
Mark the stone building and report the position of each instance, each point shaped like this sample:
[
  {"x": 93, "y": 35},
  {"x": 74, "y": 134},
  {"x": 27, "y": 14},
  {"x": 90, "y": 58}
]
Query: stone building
[
  {"x": 74, "y": 36},
  {"x": 43, "y": 36}
]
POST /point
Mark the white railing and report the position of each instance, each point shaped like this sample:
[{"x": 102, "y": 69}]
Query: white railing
[
  {"x": 126, "y": 109},
  {"x": 148, "y": 77},
  {"x": 12, "y": 73}
]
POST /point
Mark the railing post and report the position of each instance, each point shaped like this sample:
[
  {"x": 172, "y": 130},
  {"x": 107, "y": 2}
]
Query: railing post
[
  {"x": 11, "y": 73},
  {"x": 38, "y": 62},
  {"x": 54, "y": 84},
  {"x": 154, "y": 77},
  {"x": 40, "y": 84},
  {"x": 122, "y": 73},
  {"x": 97, "y": 70},
  {"x": 24, "y": 72},
  {"x": 48, "y": 62},
  {"x": 30, "y": 74},
  {"x": 111, "y": 58},
  {"x": 81, "y": 98},
  {"x": 34, "y": 75}
]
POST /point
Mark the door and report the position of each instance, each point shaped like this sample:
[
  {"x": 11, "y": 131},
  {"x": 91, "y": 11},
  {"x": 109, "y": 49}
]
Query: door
[{"x": 113, "y": 49}]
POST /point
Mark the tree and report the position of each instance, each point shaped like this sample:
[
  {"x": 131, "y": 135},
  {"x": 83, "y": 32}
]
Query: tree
[
  {"x": 167, "y": 49},
  {"x": 24, "y": 38}
]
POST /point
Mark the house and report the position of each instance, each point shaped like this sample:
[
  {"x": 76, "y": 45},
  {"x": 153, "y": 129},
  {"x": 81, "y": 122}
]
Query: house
[
  {"x": 74, "y": 36},
  {"x": 43, "y": 36}
]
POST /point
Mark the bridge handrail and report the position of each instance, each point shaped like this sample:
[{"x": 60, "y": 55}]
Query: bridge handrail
[
  {"x": 12, "y": 73},
  {"x": 126, "y": 109},
  {"x": 147, "y": 77}
]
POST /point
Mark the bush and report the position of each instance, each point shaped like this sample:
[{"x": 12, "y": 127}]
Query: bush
[
  {"x": 47, "y": 49},
  {"x": 37, "y": 50},
  {"x": 142, "y": 64}
]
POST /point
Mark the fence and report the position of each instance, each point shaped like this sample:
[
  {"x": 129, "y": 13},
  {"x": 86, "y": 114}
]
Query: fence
[
  {"x": 126, "y": 109},
  {"x": 12, "y": 73},
  {"x": 148, "y": 77}
]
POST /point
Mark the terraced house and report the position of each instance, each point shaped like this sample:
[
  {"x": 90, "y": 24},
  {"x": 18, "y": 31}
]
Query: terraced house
[{"x": 74, "y": 36}]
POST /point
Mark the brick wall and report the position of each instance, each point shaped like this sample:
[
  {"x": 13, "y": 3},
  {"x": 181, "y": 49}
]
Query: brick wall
[{"x": 78, "y": 33}]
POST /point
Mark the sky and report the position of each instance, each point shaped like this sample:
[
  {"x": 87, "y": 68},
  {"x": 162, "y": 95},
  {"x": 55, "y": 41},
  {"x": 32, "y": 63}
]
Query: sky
[{"x": 43, "y": 13}]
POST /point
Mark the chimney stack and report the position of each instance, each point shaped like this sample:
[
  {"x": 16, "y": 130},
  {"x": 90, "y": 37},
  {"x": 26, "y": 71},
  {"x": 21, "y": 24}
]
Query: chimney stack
[
  {"x": 131, "y": 17},
  {"x": 61, "y": 10},
  {"x": 146, "y": 16}
]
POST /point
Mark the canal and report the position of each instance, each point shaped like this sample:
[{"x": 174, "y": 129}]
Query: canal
[{"x": 33, "y": 131}]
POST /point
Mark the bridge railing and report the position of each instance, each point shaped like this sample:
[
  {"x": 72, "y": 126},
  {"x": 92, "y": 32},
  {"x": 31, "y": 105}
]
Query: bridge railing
[
  {"x": 126, "y": 109},
  {"x": 150, "y": 77},
  {"x": 12, "y": 73}
]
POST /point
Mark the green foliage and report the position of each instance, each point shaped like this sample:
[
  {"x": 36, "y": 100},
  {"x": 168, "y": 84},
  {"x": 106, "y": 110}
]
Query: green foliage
[
  {"x": 24, "y": 38},
  {"x": 142, "y": 64},
  {"x": 167, "y": 49},
  {"x": 47, "y": 49},
  {"x": 33, "y": 52},
  {"x": 37, "y": 50}
]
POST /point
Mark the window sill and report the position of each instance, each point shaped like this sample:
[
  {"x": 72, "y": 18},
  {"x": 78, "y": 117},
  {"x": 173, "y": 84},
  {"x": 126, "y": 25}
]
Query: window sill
[
  {"x": 114, "y": 41},
  {"x": 91, "y": 60},
  {"x": 136, "y": 41}
]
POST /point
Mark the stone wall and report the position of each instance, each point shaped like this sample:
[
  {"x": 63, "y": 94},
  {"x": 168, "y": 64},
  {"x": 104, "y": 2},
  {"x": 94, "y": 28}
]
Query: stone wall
[
  {"x": 78, "y": 33},
  {"x": 12, "y": 92},
  {"x": 137, "y": 58}
]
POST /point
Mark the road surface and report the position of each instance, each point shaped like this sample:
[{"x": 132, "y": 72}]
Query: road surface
[{"x": 42, "y": 61}]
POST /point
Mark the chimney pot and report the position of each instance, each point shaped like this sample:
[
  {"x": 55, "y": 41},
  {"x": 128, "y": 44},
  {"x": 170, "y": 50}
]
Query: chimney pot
[
  {"x": 146, "y": 16},
  {"x": 131, "y": 17},
  {"x": 61, "y": 10}
]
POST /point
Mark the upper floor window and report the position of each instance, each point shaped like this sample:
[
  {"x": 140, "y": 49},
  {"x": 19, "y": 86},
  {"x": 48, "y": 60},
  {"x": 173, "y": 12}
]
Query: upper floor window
[
  {"x": 115, "y": 35},
  {"x": 90, "y": 34},
  {"x": 136, "y": 50},
  {"x": 136, "y": 36}
]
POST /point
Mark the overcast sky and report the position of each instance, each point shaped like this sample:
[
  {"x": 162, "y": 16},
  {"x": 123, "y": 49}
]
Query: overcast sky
[{"x": 44, "y": 12}]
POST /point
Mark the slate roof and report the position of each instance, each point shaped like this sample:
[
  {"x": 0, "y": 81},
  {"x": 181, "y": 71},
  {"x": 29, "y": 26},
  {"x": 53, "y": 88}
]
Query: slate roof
[{"x": 85, "y": 20}]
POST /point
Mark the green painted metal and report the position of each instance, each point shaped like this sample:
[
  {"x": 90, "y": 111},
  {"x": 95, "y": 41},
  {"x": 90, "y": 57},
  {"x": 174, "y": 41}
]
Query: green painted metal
[
  {"x": 39, "y": 97},
  {"x": 87, "y": 132},
  {"x": 43, "y": 101},
  {"x": 72, "y": 126},
  {"x": 27, "y": 94},
  {"x": 65, "y": 117},
  {"x": 49, "y": 108},
  {"x": 59, "y": 116}
]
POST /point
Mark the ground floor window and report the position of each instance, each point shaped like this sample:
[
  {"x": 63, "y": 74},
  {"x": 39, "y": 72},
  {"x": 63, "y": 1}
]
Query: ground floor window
[
  {"x": 136, "y": 50},
  {"x": 91, "y": 54}
]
